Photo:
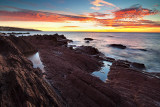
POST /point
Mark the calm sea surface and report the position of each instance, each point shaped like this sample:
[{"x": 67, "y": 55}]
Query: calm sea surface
[{"x": 135, "y": 42}]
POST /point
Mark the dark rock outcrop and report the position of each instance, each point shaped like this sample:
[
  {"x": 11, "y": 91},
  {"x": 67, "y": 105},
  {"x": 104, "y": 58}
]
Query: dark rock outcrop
[
  {"x": 55, "y": 40},
  {"x": 13, "y": 33},
  {"x": 120, "y": 46},
  {"x": 23, "y": 46},
  {"x": 88, "y": 39},
  {"x": 108, "y": 59},
  {"x": 20, "y": 84},
  {"x": 88, "y": 50},
  {"x": 143, "y": 49},
  {"x": 139, "y": 66},
  {"x": 110, "y": 36}
]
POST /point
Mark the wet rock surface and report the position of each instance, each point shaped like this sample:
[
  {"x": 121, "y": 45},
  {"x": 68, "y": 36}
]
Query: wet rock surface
[
  {"x": 120, "y": 46},
  {"x": 68, "y": 72},
  {"x": 20, "y": 84},
  {"x": 136, "y": 88}
]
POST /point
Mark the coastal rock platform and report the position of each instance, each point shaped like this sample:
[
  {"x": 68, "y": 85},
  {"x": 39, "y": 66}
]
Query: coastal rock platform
[{"x": 68, "y": 80}]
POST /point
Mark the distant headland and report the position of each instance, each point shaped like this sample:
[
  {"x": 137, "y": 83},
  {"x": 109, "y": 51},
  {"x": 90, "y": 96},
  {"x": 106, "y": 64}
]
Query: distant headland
[{"x": 4, "y": 28}]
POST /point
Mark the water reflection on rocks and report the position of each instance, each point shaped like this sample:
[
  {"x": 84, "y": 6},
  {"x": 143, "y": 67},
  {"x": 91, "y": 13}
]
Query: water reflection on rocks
[{"x": 37, "y": 63}]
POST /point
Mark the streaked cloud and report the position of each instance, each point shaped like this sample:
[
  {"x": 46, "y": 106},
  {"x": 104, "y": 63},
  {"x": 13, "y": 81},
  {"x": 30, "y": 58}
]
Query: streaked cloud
[
  {"x": 102, "y": 3},
  {"x": 134, "y": 16},
  {"x": 134, "y": 13},
  {"x": 70, "y": 26},
  {"x": 30, "y": 15},
  {"x": 97, "y": 14},
  {"x": 128, "y": 24},
  {"x": 99, "y": 3},
  {"x": 95, "y": 8}
]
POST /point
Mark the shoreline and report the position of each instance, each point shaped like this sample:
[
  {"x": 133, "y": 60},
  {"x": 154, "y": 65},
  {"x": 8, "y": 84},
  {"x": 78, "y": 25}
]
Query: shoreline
[{"x": 68, "y": 70}]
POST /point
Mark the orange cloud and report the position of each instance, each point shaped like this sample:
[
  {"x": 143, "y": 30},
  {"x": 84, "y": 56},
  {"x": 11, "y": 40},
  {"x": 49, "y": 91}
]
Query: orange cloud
[
  {"x": 95, "y": 8},
  {"x": 128, "y": 24},
  {"x": 29, "y": 15},
  {"x": 99, "y": 3},
  {"x": 97, "y": 14},
  {"x": 70, "y": 26},
  {"x": 102, "y": 3},
  {"x": 130, "y": 18},
  {"x": 133, "y": 13}
]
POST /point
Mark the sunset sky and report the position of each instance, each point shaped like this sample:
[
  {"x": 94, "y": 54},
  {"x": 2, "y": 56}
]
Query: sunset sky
[{"x": 82, "y": 15}]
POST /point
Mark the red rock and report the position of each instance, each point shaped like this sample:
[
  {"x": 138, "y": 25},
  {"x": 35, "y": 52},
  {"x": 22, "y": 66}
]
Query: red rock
[
  {"x": 20, "y": 86},
  {"x": 88, "y": 50},
  {"x": 69, "y": 71},
  {"x": 137, "y": 88}
]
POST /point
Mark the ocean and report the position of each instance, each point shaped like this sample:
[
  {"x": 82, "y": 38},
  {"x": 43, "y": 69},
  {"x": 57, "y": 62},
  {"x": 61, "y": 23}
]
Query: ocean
[{"x": 141, "y": 47}]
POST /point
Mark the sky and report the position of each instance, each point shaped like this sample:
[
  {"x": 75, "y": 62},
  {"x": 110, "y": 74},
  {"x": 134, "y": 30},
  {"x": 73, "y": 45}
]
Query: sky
[{"x": 82, "y": 15}]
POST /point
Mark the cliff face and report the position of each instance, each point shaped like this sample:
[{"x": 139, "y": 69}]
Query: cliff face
[{"x": 20, "y": 84}]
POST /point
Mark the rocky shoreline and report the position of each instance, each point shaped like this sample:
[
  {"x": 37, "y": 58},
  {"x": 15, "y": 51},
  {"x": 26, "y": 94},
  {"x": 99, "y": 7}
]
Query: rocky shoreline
[{"x": 68, "y": 72}]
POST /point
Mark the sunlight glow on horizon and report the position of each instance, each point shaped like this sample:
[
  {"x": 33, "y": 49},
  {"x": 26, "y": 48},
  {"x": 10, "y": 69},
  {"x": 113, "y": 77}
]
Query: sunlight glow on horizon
[
  {"x": 70, "y": 26},
  {"x": 110, "y": 17}
]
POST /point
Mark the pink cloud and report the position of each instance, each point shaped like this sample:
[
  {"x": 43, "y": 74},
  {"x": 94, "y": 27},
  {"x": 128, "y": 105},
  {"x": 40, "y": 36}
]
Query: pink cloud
[
  {"x": 97, "y": 14},
  {"x": 30, "y": 15},
  {"x": 95, "y": 8},
  {"x": 102, "y": 3},
  {"x": 99, "y": 3},
  {"x": 134, "y": 13}
]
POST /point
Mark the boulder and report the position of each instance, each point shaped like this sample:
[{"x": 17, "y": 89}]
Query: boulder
[
  {"x": 88, "y": 50},
  {"x": 120, "y": 46},
  {"x": 139, "y": 66},
  {"x": 88, "y": 39},
  {"x": 143, "y": 49}
]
